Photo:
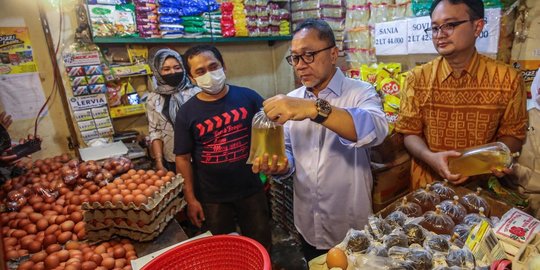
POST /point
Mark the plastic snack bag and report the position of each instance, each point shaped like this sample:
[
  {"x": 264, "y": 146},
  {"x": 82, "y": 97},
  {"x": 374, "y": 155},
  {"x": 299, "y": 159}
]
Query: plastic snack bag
[{"x": 266, "y": 138}]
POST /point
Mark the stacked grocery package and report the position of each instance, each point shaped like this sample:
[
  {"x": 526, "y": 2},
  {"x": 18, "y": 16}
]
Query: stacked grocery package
[
  {"x": 212, "y": 23},
  {"x": 147, "y": 18},
  {"x": 332, "y": 11},
  {"x": 170, "y": 24},
  {"x": 282, "y": 205},
  {"x": 257, "y": 17},
  {"x": 193, "y": 18},
  {"x": 227, "y": 19},
  {"x": 240, "y": 19},
  {"x": 138, "y": 205},
  {"x": 358, "y": 45},
  {"x": 278, "y": 20}
]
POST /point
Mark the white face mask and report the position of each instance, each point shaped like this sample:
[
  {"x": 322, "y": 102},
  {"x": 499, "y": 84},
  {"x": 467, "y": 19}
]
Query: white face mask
[{"x": 212, "y": 82}]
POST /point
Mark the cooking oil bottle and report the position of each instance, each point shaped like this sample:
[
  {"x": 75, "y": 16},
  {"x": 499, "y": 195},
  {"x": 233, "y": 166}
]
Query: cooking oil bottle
[{"x": 481, "y": 159}]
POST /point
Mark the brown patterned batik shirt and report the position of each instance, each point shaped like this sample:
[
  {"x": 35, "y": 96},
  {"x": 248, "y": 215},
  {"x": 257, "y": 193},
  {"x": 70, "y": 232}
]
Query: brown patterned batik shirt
[{"x": 453, "y": 111}]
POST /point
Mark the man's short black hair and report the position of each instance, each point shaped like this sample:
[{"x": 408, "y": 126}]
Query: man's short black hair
[
  {"x": 325, "y": 31},
  {"x": 198, "y": 49},
  {"x": 476, "y": 7}
]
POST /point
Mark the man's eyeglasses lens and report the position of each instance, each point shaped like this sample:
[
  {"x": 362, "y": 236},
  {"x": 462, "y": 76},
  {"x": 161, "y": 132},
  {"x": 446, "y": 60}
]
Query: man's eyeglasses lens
[
  {"x": 308, "y": 57},
  {"x": 447, "y": 28}
]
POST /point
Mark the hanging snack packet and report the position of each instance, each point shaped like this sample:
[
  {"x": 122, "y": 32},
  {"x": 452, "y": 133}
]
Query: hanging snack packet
[{"x": 266, "y": 138}]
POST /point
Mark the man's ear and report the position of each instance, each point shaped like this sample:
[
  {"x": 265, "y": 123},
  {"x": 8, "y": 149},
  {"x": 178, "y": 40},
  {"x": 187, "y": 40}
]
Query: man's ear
[
  {"x": 334, "y": 53},
  {"x": 479, "y": 26}
]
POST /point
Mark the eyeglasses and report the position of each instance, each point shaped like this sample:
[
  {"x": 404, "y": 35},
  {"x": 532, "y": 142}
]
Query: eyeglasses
[
  {"x": 447, "y": 28},
  {"x": 307, "y": 57}
]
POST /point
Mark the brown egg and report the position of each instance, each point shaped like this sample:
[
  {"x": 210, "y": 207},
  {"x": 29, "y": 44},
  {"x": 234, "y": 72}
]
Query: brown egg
[
  {"x": 51, "y": 229},
  {"x": 140, "y": 200},
  {"x": 35, "y": 246},
  {"x": 119, "y": 263},
  {"x": 170, "y": 174},
  {"x": 39, "y": 257},
  {"x": 96, "y": 258},
  {"x": 72, "y": 245},
  {"x": 60, "y": 219},
  {"x": 108, "y": 263},
  {"x": 64, "y": 237},
  {"x": 23, "y": 222},
  {"x": 132, "y": 186},
  {"x": 125, "y": 192},
  {"x": 94, "y": 198},
  {"x": 42, "y": 224},
  {"x": 22, "y": 252},
  {"x": 158, "y": 183},
  {"x": 63, "y": 255},
  {"x": 68, "y": 225},
  {"x": 119, "y": 252},
  {"x": 142, "y": 186},
  {"x": 100, "y": 249},
  {"x": 76, "y": 216},
  {"x": 39, "y": 266},
  {"x": 166, "y": 179},
  {"x": 18, "y": 233},
  {"x": 10, "y": 241},
  {"x": 105, "y": 198},
  {"x": 34, "y": 217},
  {"x": 30, "y": 228},
  {"x": 117, "y": 198},
  {"x": 52, "y": 261},
  {"x": 88, "y": 265},
  {"x": 12, "y": 254},
  {"x": 136, "y": 192},
  {"x": 160, "y": 173},
  {"x": 128, "y": 199},
  {"x": 148, "y": 192},
  {"x": 79, "y": 226},
  {"x": 103, "y": 191},
  {"x": 53, "y": 248}
]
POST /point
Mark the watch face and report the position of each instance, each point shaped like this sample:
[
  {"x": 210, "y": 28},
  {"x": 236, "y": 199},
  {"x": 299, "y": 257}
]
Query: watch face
[{"x": 323, "y": 106}]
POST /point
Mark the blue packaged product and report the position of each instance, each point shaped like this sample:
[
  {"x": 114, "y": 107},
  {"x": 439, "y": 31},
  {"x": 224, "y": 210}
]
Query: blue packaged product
[
  {"x": 171, "y": 27},
  {"x": 170, "y": 19},
  {"x": 93, "y": 70},
  {"x": 168, "y": 11},
  {"x": 169, "y": 3},
  {"x": 97, "y": 88}
]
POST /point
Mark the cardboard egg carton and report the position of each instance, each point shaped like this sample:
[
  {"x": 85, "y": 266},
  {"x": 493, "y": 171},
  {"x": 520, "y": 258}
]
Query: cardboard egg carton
[
  {"x": 152, "y": 201},
  {"x": 134, "y": 215},
  {"x": 175, "y": 206},
  {"x": 108, "y": 233}
]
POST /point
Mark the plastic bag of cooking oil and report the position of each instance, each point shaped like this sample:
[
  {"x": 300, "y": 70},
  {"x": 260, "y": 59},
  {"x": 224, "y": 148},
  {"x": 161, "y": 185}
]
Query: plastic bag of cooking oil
[{"x": 266, "y": 138}]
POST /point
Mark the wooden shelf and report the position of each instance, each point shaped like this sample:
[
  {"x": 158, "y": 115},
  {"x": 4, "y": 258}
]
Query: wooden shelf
[{"x": 139, "y": 40}]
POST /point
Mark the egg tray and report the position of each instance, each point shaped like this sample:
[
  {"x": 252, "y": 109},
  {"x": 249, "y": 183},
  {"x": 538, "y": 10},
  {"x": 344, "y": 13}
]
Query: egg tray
[
  {"x": 152, "y": 201},
  {"x": 175, "y": 206},
  {"x": 134, "y": 215},
  {"x": 106, "y": 234}
]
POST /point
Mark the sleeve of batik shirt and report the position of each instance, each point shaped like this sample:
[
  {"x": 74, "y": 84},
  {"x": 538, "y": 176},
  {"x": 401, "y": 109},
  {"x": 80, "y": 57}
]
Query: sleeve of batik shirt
[
  {"x": 514, "y": 121},
  {"x": 156, "y": 122},
  {"x": 409, "y": 116}
]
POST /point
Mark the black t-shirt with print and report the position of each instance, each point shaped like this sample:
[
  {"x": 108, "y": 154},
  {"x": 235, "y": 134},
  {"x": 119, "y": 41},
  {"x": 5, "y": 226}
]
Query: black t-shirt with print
[{"x": 217, "y": 134}]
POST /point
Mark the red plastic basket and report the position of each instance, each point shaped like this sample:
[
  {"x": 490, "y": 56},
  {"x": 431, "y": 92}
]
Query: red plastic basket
[{"x": 222, "y": 252}]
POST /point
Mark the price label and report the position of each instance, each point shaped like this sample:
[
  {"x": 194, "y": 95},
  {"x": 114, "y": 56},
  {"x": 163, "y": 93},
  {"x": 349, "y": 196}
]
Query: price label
[
  {"x": 418, "y": 41},
  {"x": 488, "y": 41},
  {"x": 391, "y": 38}
]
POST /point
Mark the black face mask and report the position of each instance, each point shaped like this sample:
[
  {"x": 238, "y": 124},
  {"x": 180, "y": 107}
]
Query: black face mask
[{"x": 173, "y": 79}]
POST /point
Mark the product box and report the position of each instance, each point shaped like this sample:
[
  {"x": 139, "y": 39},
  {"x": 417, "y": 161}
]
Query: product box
[
  {"x": 122, "y": 111},
  {"x": 100, "y": 112},
  {"x": 391, "y": 180},
  {"x": 83, "y": 115}
]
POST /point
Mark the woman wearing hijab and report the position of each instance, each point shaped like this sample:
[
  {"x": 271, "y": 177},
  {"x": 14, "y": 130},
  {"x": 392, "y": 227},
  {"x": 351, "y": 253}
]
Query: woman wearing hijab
[{"x": 172, "y": 91}]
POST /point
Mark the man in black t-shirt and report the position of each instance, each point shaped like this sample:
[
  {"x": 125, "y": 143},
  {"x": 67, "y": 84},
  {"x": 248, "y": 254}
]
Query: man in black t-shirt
[{"x": 211, "y": 142}]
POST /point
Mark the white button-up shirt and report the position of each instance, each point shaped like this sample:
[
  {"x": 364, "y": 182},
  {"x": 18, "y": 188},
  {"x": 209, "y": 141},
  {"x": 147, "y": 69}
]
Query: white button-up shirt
[{"x": 332, "y": 176}]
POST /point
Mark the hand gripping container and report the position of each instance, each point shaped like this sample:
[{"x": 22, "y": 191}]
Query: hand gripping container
[{"x": 224, "y": 252}]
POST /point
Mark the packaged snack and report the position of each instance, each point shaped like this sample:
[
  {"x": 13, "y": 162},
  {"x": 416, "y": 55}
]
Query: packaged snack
[
  {"x": 475, "y": 218},
  {"x": 438, "y": 222},
  {"x": 75, "y": 71},
  {"x": 420, "y": 258},
  {"x": 78, "y": 81},
  {"x": 461, "y": 231},
  {"x": 415, "y": 233},
  {"x": 426, "y": 198},
  {"x": 437, "y": 243},
  {"x": 80, "y": 90},
  {"x": 102, "y": 20},
  {"x": 454, "y": 209},
  {"x": 409, "y": 208},
  {"x": 473, "y": 201},
  {"x": 124, "y": 20},
  {"x": 97, "y": 88},
  {"x": 357, "y": 241},
  {"x": 95, "y": 79},
  {"x": 517, "y": 227},
  {"x": 395, "y": 238},
  {"x": 396, "y": 219},
  {"x": 378, "y": 227},
  {"x": 93, "y": 70},
  {"x": 462, "y": 258},
  {"x": 444, "y": 191}
]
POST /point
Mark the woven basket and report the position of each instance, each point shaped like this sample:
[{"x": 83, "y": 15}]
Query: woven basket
[{"x": 221, "y": 252}]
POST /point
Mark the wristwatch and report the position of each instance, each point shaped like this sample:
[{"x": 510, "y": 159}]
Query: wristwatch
[{"x": 323, "y": 108}]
